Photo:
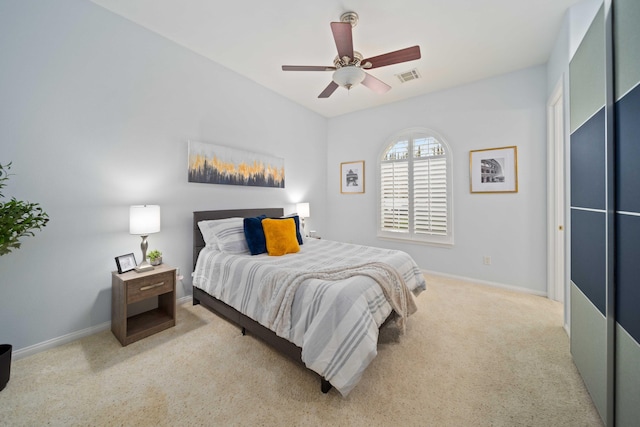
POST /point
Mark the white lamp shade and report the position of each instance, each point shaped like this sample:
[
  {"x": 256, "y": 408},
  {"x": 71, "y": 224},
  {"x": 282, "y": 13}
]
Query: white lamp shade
[
  {"x": 144, "y": 219},
  {"x": 303, "y": 210},
  {"x": 348, "y": 76}
]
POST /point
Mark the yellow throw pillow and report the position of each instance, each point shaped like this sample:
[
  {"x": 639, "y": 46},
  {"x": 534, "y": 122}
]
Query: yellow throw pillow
[{"x": 280, "y": 235}]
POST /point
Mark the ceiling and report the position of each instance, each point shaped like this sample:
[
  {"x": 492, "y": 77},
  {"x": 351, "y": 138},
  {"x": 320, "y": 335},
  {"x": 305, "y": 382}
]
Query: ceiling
[{"x": 460, "y": 40}]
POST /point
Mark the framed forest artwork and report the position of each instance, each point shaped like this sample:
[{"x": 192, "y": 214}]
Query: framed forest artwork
[{"x": 216, "y": 164}]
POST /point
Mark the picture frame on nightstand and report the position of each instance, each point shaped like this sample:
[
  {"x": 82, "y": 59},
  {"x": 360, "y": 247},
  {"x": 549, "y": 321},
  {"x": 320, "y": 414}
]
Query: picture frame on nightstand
[{"x": 125, "y": 263}]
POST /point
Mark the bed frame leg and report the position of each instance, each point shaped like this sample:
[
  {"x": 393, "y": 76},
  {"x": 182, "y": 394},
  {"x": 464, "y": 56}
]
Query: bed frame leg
[
  {"x": 244, "y": 332},
  {"x": 195, "y": 301},
  {"x": 325, "y": 385}
]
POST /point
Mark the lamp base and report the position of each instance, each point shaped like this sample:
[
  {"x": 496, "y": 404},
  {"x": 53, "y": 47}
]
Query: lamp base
[{"x": 144, "y": 266}]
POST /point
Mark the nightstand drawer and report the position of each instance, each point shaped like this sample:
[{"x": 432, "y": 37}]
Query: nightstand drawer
[{"x": 145, "y": 287}]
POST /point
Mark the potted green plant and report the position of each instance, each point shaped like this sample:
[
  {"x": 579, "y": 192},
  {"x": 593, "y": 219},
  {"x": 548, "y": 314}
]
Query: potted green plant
[
  {"x": 155, "y": 257},
  {"x": 18, "y": 219}
]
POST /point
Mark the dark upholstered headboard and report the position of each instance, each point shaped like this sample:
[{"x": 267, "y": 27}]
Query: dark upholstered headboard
[{"x": 198, "y": 241}]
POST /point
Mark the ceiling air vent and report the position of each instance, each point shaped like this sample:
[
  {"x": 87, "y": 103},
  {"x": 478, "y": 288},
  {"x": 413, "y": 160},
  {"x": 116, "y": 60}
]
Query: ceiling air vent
[{"x": 408, "y": 75}]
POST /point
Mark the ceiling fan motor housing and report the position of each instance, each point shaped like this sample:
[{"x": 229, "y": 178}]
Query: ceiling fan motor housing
[
  {"x": 350, "y": 17},
  {"x": 346, "y": 61}
]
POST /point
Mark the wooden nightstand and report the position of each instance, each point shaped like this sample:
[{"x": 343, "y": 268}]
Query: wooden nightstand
[{"x": 131, "y": 287}]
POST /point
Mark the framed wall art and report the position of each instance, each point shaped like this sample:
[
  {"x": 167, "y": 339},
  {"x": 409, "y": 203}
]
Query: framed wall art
[
  {"x": 494, "y": 170},
  {"x": 352, "y": 177},
  {"x": 216, "y": 164}
]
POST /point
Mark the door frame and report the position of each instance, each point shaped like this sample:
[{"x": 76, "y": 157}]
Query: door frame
[{"x": 556, "y": 197}]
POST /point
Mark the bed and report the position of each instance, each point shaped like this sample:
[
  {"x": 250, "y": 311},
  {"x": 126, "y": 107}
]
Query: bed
[{"x": 321, "y": 306}]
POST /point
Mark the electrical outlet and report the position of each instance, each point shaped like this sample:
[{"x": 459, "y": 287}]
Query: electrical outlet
[{"x": 486, "y": 260}]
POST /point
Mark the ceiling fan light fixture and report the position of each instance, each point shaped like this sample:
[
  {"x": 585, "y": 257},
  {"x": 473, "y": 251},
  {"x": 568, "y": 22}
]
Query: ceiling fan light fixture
[{"x": 348, "y": 76}]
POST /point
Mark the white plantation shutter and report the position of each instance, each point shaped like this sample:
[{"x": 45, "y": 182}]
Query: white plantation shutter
[
  {"x": 430, "y": 196},
  {"x": 414, "y": 190},
  {"x": 395, "y": 196}
]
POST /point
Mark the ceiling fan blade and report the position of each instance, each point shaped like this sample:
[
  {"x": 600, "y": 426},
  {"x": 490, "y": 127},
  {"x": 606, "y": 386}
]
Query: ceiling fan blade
[
  {"x": 343, "y": 38},
  {"x": 376, "y": 85},
  {"x": 329, "y": 90},
  {"x": 307, "y": 68},
  {"x": 402, "y": 55}
]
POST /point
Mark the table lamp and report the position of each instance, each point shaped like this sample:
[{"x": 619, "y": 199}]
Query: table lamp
[
  {"x": 144, "y": 220},
  {"x": 303, "y": 212}
]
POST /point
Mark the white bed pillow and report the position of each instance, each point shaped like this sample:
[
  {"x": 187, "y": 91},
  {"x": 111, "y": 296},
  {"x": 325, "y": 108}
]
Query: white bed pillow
[{"x": 225, "y": 235}]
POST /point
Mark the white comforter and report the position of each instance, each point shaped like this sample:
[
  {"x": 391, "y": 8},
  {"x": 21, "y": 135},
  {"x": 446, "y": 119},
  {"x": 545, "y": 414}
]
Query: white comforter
[{"x": 335, "y": 322}]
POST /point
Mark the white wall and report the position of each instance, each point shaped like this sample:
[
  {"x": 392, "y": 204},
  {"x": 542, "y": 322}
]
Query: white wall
[
  {"x": 558, "y": 64},
  {"x": 511, "y": 228},
  {"x": 95, "y": 114}
]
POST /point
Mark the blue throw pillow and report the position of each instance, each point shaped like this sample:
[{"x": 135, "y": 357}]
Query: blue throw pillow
[
  {"x": 297, "y": 220},
  {"x": 255, "y": 235}
]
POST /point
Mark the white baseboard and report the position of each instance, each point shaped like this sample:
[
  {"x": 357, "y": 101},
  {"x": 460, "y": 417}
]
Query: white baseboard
[
  {"x": 65, "y": 339},
  {"x": 56, "y": 342},
  {"x": 488, "y": 283},
  {"x": 184, "y": 299}
]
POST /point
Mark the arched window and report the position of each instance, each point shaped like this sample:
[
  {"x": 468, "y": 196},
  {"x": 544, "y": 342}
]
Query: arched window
[{"x": 415, "y": 188}]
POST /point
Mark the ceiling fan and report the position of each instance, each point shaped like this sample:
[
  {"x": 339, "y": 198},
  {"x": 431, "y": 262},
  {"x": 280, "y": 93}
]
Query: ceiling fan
[{"x": 349, "y": 65}]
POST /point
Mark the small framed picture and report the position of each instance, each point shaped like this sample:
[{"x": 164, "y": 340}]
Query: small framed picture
[
  {"x": 494, "y": 170},
  {"x": 126, "y": 263},
  {"x": 352, "y": 177}
]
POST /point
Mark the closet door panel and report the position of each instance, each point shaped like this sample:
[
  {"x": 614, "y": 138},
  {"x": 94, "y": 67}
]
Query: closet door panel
[
  {"x": 628, "y": 275},
  {"x": 590, "y": 216},
  {"x": 588, "y": 163},
  {"x": 628, "y": 151},
  {"x": 627, "y": 120},
  {"x": 588, "y": 255}
]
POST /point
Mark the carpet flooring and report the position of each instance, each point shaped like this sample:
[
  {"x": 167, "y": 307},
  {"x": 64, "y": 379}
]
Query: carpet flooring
[{"x": 472, "y": 356}]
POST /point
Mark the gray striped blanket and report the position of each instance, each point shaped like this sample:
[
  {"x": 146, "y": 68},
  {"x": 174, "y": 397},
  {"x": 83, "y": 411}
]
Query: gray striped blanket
[{"x": 333, "y": 315}]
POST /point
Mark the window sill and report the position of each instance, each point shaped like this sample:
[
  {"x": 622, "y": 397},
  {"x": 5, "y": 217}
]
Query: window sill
[{"x": 441, "y": 244}]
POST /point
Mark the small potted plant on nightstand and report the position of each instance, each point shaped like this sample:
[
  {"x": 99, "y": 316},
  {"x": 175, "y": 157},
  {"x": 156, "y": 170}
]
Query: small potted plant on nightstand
[
  {"x": 155, "y": 257},
  {"x": 17, "y": 220}
]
